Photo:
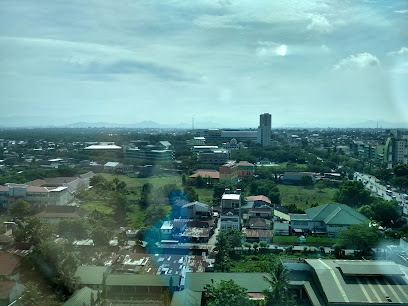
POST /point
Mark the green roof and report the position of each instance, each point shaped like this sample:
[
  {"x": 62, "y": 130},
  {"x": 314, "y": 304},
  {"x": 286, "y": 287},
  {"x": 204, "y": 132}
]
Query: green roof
[
  {"x": 142, "y": 280},
  {"x": 332, "y": 213},
  {"x": 253, "y": 282},
  {"x": 81, "y": 296},
  {"x": 370, "y": 268},
  {"x": 91, "y": 275},
  {"x": 186, "y": 297}
]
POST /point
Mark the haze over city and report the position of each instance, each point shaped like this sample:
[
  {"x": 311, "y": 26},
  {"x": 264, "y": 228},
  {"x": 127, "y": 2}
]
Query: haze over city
[{"x": 309, "y": 63}]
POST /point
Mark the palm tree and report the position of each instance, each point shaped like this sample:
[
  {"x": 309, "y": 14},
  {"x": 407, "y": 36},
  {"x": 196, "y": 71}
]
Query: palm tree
[{"x": 278, "y": 280}]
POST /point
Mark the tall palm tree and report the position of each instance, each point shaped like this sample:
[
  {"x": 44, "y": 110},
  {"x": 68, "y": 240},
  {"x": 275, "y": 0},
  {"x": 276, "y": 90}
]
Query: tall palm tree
[{"x": 278, "y": 280}]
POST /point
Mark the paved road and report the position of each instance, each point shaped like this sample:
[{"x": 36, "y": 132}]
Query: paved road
[{"x": 373, "y": 184}]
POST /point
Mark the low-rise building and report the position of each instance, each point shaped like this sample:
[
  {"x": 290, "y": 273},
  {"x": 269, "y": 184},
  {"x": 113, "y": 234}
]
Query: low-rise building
[
  {"x": 326, "y": 219},
  {"x": 245, "y": 169},
  {"x": 229, "y": 173},
  {"x": 209, "y": 175},
  {"x": 231, "y": 210},
  {"x": 54, "y": 214}
]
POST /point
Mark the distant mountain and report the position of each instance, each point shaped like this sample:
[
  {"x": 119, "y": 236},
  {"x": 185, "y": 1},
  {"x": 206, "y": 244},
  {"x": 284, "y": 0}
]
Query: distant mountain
[{"x": 141, "y": 125}]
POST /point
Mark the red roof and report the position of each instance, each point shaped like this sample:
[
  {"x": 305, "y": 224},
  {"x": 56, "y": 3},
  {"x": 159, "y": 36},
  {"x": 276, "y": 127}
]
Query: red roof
[
  {"x": 8, "y": 262},
  {"x": 204, "y": 173},
  {"x": 5, "y": 288},
  {"x": 259, "y": 198},
  {"x": 245, "y": 163}
]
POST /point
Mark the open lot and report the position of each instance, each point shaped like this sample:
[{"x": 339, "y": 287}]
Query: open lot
[{"x": 303, "y": 198}]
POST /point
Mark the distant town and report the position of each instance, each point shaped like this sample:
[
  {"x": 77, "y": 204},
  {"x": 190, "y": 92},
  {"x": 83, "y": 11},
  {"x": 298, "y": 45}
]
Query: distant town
[{"x": 189, "y": 217}]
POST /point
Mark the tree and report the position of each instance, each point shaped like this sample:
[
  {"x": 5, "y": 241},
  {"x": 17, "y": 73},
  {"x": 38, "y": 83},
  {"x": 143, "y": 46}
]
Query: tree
[
  {"x": 278, "y": 280},
  {"x": 101, "y": 235},
  {"x": 400, "y": 181},
  {"x": 191, "y": 193},
  {"x": 154, "y": 213},
  {"x": 32, "y": 296},
  {"x": 320, "y": 186},
  {"x": 226, "y": 293},
  {"x": 119, "y": 204},
  {"x": 20, "y": 209},
  {"x": 400, "y": 169},
  {"x": 306, "y": 180},
  {"x": 353, "y": 193},
  {"x": 217, "y": 195},
  {"x": 360, "y": 235},
  {"x": 199, "y": 181},
  {"x": 263, "y": 244},
  {"x": 223, "y": 249}
]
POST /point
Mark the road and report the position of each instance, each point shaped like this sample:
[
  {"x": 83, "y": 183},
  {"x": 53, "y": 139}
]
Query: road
[{"x": 373, "y": 184}]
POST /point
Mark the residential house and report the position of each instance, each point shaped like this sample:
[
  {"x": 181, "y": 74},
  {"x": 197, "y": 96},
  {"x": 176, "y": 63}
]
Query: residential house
[
  {"x": 54, "y": 214},
  {"x": 196, "y": 210},
  {"x": 9, "y": 263},
  {"x": 231, "y": 210},
  {"x": 209, "y": 175},
  {"x": 259, "y": 223},
  {"x": 260, "y": 212},
  {"x": 10, "y": 291},
  {"x": 326, "y": 219},
  {"x": 257, "y": 235},
  {"x": 258, "y": 201}
]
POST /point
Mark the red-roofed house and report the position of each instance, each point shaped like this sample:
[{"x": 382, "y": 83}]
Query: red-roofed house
[
  {"x": 8, "y": 266},
  {"x": 258, "y": 201},
  {"x": 211, "y": 176},
  {"x": 10, "y": 291}
]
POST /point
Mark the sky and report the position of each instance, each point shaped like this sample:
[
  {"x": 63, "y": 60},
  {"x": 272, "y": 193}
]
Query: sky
[{"x": 308, "y": 63}]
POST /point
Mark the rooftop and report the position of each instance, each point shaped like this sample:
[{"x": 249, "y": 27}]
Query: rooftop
[{"x": 91, "y": 275}]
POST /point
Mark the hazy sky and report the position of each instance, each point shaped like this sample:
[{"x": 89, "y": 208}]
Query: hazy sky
[{"x": 305, "y": 62}]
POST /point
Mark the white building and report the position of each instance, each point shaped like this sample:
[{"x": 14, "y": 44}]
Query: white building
[{"x": 231, "y": 210}]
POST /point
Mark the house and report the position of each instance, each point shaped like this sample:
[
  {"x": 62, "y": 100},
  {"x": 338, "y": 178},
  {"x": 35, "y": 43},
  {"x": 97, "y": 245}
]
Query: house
[
  {"x": 231, "y": 210},
  {"x": 281, "y": 221},
  {"x": 326, "y": 219},
  {"x": 54, "y": 214},
  {"x": 10, "y": 291},
  {"x": 260, "y": 212},
  {"x": 209, "y": 175},
  {"x": 82, "y": 297},
  {"x": 258, "y": 201},
  {"x": 166, "y": 231},
  {"x": 111, "y": 167},
  {"x": 259, "y": 223},
  {"x": 196, "y": 210},
  {"x": 90, "y": 276},
  {"x": 8, "y": 266},
  {"x": 295, "y": 178},
  {"x": 256, "y": 235}
]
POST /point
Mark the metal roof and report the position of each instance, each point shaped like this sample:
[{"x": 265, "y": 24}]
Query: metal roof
[
  {"x": 334, "y": 213},
  {"x": 142, "y": 280},
  {"x": 358, "y": 289},
  {"x": 369, "y": 268},
  {"x": 91, "y": 275},
  {"x": 253, "y": 282},
  {"x": 81, "y": 297}
]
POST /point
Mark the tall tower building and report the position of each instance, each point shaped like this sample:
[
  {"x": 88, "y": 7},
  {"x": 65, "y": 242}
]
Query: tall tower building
[{"x": 264, "y": 129}]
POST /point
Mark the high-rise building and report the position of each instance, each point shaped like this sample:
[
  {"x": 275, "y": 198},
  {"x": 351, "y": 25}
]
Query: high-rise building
[
  {"x": 396, "y": 149},
  {"x": 264, "y": 129}
]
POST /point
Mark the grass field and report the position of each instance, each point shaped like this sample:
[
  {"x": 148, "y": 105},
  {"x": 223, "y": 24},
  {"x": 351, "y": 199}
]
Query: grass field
[
  {"x": 303, "y": 197},
  {"x": 289, "y": 167},
  {"x": 205, "y": 195},
  {"x": 99, "y": 206},
  {"x": 284, "y": 239},
  {"x": 137, "y": 183}
]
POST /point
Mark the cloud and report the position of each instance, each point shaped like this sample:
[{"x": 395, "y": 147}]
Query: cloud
[
  {"x": 359, "y": 61},
  {"x": 325, "y": 48},
  {"x": 319, "y": 24},
  {"x": 270, "y": 48},
  {"x": 215, "y": 21},
  {"x": 401, "y": 12},
  {"x": 402, "y": 51}
]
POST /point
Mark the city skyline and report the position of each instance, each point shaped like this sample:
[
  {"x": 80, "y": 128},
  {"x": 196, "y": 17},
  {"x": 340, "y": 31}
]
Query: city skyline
[{"x": 310, "y": 64}]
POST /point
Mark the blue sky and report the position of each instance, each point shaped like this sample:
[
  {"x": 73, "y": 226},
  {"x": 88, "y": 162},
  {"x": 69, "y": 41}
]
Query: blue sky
[{"x": 308, "y": 63}]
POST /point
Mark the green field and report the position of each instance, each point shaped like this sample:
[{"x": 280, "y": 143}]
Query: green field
[
  {"x": 289, "y": 167},
  {"x": 303, "y": 198},
  {"x": 284, "y": 239},
  {"x": 137, "y": 183},
  {"x": 99, "y": 206},
  {"x": 205, "y": 195}
]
